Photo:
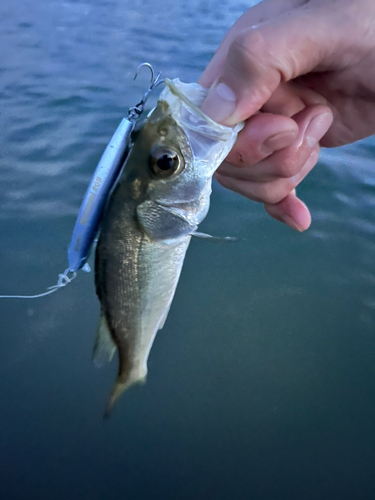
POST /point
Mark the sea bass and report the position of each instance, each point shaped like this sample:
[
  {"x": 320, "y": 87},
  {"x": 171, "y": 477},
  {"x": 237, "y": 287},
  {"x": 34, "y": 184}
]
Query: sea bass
[{"x": 160, "y": 198}]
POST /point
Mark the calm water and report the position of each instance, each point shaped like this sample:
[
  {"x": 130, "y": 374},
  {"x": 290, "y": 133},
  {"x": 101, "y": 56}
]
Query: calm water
[{"x": 262, "y": 383}]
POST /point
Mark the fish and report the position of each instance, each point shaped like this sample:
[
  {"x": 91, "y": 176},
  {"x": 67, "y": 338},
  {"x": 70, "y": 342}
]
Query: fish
[{"x": 161, "y": 196}]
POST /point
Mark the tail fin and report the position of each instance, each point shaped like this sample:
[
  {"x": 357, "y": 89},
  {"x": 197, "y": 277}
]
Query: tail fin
[{"x": 121, "y": 386}]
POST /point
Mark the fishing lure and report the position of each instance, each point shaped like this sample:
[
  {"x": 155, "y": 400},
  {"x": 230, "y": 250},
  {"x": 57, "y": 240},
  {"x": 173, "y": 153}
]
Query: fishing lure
[
  {"x": 101, "y": 185},
  {"x": 103, "y": 181}
]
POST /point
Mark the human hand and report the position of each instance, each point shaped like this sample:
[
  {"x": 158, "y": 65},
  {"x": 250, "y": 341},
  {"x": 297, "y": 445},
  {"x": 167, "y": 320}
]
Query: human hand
[{"x": 308, "y": 66}]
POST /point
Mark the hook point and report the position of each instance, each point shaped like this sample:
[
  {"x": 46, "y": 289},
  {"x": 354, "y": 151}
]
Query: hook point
[{"x": 145, "y": 65}]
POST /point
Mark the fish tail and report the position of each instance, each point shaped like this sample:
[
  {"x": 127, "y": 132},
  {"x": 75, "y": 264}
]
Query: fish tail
[
  {"x": 117, "y": 390},
  {"x": 120, "y": 387}
]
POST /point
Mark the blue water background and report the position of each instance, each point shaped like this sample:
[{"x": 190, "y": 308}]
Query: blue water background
[{"x": 262, "y": 383}]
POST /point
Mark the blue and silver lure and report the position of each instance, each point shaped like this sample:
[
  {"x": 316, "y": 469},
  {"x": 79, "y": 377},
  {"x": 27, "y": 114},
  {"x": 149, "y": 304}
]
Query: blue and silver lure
[
  {"x": 103, "y": 181},
  {"x": 101, "y": 185}
]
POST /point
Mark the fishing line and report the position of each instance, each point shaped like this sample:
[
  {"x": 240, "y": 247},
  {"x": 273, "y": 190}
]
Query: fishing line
[{"x": 63, "y": 280}]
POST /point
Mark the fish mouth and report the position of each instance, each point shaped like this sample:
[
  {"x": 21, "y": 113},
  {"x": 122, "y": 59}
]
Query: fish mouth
[
  {"x": 175, "y": 91},
  {"x": 184, "y": 101}
]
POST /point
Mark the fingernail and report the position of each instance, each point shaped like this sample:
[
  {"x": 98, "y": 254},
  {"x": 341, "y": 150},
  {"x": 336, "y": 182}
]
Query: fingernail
[
  {"x": 292, "y": 223},
  {"x": 220, "y": 103},
  {"x": 278, "y": 141},
  {"x": 318, "y": 128}
]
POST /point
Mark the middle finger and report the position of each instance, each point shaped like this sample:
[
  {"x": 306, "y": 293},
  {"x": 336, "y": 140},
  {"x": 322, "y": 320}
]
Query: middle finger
[{"x": 283, "y": 163}]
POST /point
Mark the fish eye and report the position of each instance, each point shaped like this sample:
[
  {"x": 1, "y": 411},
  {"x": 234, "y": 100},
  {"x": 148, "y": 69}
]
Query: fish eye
[{"x": 165, "y": 162}]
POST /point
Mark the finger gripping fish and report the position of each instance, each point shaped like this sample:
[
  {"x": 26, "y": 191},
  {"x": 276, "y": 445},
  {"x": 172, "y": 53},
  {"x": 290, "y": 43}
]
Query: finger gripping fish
[{"x": 161, "y": 196}]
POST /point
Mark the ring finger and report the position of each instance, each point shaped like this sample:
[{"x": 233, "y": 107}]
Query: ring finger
[{"x": 271, "y": 192}]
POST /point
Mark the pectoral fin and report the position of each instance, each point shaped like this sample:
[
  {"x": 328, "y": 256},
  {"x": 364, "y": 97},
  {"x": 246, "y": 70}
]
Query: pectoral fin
[
  {"x": 104, "y": 348},
  {"x": 205, "y": 236},
  {"x": 163, "y": 223}
]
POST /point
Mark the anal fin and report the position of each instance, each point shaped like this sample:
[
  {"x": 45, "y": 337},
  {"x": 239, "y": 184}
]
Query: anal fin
[{"x": 104, "y": 348}]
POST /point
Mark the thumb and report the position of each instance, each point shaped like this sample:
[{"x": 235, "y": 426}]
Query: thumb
[{"x": 261, "y": 57}]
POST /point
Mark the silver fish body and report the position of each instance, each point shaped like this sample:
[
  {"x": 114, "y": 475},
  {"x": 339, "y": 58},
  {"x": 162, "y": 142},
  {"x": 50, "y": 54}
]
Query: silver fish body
[
  {"x": 136, "y": 281},
  {"x": 161, "y": 197}
]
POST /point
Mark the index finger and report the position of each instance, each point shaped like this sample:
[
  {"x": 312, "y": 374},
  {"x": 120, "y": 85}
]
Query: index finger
[
  {"x": 261, "y": 12},
  {"x": 261, "y": 57}
]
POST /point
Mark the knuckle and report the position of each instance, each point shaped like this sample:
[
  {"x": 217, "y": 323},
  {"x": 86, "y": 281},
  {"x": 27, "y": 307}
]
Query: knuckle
[
  {"x": 237, "y": 157},
  {"x": 268, "y": 193},
  {"x": 248, "y": 46},
  {"x": 288, "y": 166},
  {"x": 246, "y": 152},
  {"x": 247, "y": 156},
  {"x": 250, "y": 41},
  {"x": 241, "y": 159}
]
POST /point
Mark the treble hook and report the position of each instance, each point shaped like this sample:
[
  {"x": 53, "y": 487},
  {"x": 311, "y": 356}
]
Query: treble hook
[
  {"x": 154, "y": 81},
  {"x": 145, "y": 65},
  {"x": 137, "y": 110}
]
